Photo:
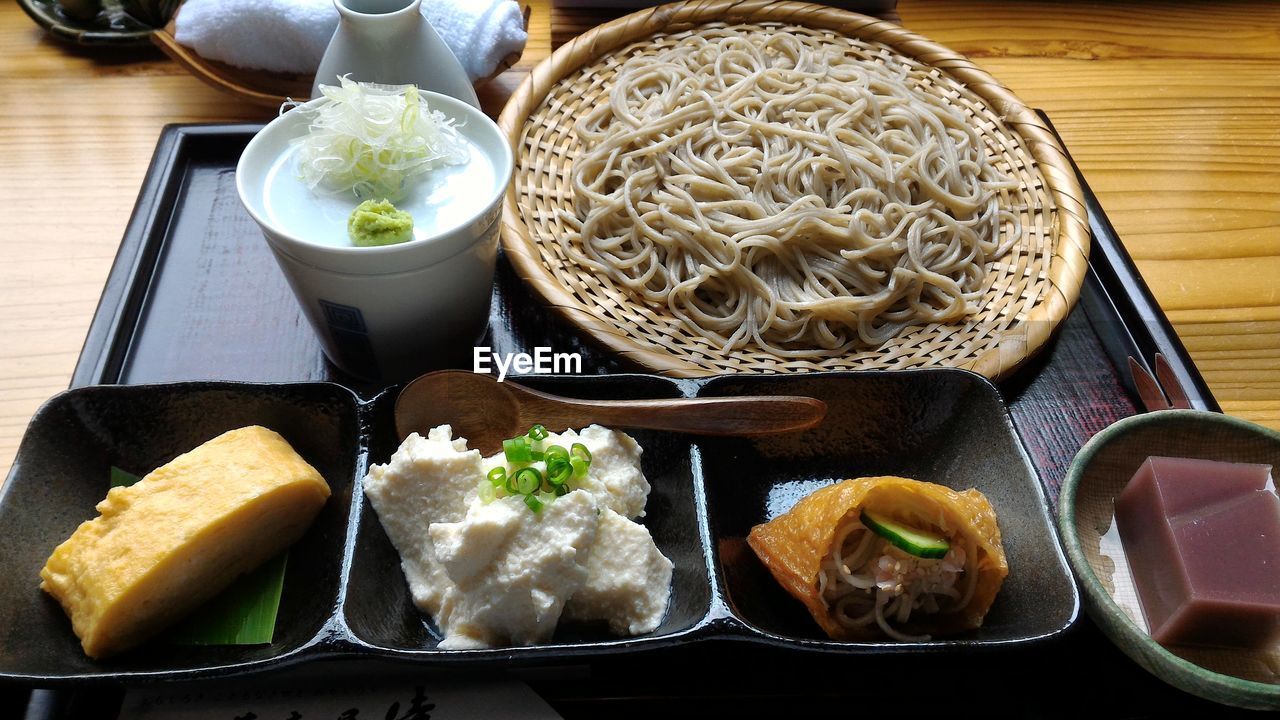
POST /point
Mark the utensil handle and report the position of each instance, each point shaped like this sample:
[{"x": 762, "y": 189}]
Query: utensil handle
[{"x": 761, "y": 415}]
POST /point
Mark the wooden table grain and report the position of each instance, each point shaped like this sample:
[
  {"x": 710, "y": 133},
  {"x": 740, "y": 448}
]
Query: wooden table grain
[{"x": 1172, "y": 110}]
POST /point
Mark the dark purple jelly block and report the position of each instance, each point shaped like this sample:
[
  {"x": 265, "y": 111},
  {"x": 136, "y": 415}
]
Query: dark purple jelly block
[
  {"x": 1150, "y": 547},
  {"x": 1190, "y": 485},
  {"x": 1232, "y": 560},
  {"x": 1203, "y": 543}
]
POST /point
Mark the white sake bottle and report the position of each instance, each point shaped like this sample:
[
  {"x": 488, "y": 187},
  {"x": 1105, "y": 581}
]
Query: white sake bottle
[{"x": 390, "y": 42}]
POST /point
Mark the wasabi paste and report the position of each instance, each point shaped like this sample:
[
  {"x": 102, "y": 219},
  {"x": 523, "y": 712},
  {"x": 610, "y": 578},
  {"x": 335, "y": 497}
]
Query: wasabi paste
[{"x": 378, "y": 222}]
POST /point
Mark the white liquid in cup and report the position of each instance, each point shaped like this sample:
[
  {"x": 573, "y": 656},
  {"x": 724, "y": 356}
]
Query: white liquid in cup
[{"x": 440, "y": 201}]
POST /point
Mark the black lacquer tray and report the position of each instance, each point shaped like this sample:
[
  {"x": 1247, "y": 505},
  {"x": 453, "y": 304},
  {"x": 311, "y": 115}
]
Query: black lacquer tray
[{"x": 194, "y": 295}]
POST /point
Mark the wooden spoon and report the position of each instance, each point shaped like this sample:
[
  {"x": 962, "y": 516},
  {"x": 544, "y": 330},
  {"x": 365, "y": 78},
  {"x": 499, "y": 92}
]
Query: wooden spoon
[{"x": 486, "y": 412}]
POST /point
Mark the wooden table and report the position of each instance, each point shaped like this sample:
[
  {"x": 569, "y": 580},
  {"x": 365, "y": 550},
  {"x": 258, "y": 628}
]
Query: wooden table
[{"x": 1172, "y": 110}]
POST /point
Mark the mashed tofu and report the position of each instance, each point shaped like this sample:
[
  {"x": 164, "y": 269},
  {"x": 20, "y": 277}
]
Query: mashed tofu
[
  {"x": 628, "y": 579},
  {"x": 428, "y": 480},
  {"x": 513, "y": 570},
  {"x": 615, "y": 479},
  {"x": 498, "y": 573}
]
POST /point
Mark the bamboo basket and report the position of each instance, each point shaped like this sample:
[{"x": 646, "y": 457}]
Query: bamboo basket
[{"x": 1029, "y": 291}]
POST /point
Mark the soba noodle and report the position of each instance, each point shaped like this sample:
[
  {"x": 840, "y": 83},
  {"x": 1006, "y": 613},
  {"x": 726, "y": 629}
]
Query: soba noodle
[{"x": 767, "y": 187}]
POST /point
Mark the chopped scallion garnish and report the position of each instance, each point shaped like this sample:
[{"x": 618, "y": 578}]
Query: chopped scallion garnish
[
  {"x": 526, "y": 481},
  {"x": 517, "y": 450},
  {"x": 558, "y": 472},
  {"x": 498, "y": 476},
  {"x": 579, "y": 459},
  {"x": 537, "y": 488}
]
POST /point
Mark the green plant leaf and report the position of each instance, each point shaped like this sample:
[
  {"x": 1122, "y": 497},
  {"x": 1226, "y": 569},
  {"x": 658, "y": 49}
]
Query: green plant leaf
[
  {"x": 122, "y": 478},
  {"x": 243, "y": 614}
]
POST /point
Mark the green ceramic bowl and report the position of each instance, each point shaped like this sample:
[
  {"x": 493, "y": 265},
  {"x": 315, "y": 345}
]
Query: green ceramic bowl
[{"x": 1244, "y": 678}]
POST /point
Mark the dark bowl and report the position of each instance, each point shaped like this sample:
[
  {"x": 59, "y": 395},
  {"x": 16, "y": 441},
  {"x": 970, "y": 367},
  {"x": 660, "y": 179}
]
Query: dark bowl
[
  {"x": 1086, "y": 518},
  {"x": 380, "y": 612},
  {"x": 62, "y": 471},
  {"x": 945, "y": 427},
  {"x": 111, "y": 25}
]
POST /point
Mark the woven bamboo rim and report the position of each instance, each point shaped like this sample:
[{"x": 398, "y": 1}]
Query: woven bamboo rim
[{"x": 1030, "y": 290}]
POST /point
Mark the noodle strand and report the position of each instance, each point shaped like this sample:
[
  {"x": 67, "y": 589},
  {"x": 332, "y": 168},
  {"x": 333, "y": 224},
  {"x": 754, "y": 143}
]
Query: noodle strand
[{"x": 768, "y": 187}]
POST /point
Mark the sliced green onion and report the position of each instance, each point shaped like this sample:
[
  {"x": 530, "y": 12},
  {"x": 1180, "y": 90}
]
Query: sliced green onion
[
  {"x": 579, "y": 459},
  {"x": 562, "y": 490},
  {"x": 535, "y": 455},
  {"x": 526, "y": 481},
  {"x": 517, "y": 450},
  {"x": 498, "y": 476},
  {"x": 534, "y": 503},
  {"x": 546, "y": 497},
  {"x": 488, "y": 493},
  {"x": 556, "y": 452},
  {"x": 352, "y": 148},
  {"x": 558, "y": 472},
  {"x": 538, "y": 433}
]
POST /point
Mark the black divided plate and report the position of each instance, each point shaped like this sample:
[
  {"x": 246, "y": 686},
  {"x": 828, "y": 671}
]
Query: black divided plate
[
  {"x": 62, "y": 470},
  {"x": 345, "y": 595}
]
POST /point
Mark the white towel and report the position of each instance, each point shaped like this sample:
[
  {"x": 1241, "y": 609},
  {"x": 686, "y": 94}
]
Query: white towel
[{"x": 290, "y": 36}]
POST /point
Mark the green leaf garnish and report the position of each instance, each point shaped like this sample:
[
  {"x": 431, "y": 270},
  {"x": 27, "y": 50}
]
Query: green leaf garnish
[
  {"x": 243, "y": 614},
  {"x": 122, "y": 478}
]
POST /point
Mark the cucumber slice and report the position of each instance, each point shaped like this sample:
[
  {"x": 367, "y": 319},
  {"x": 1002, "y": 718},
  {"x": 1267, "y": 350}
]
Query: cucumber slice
[{"x": 915, "y": 542}]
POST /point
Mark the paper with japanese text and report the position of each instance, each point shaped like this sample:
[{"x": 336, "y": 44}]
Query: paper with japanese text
[{"x": 336, "y": 696}]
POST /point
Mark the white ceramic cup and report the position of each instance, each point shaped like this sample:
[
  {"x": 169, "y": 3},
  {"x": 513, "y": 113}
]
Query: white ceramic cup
[{"x": 388, "y": 313}]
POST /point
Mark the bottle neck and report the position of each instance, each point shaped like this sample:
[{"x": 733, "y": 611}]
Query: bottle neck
[
  {"x": 382, "y": 20},
  {"x": 375, "y": 7}
]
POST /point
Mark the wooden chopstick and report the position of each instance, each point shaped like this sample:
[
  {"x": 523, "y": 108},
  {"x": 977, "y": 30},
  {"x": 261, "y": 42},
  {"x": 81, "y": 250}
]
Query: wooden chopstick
[
  {"x": 1149, "y": 391},
  {"x": 1170, "y": 385}
]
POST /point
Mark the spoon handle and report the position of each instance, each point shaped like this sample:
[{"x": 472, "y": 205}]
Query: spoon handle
[{"x": 761, "y": 415}]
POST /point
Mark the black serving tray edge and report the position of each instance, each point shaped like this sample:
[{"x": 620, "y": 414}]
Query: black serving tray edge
[{"x": 1114, "y": 297}]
